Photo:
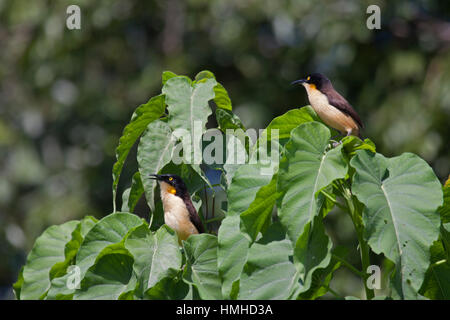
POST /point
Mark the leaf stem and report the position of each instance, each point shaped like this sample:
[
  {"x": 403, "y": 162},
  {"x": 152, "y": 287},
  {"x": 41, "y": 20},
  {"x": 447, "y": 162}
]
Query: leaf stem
[
  {"x": 213, "y": 204},
  {"x": 365, "y": 260},
  {"x": 334, "y": 293},
  {"x": 356, "y": 214},
  {"x": 349, "y": 266},
  {"x": 214, "y": 219},
  {"x": 326, "y": 194},
  {"x": 206, "y": 202}
]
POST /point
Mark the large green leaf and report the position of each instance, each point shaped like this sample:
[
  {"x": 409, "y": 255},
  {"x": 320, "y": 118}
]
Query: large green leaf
[
  {"x": 186, "y": 103},
  {"x": 140, "y": 119},
  {"x": 258, "y": 215},
  {"x": 269, "y": 272},
  {"x": 400, "y": 195},
  {"x": 70, "y": 251},
  {"x": 188, "y": 113},
  {"x": 154, "y": 152},
  {"x": 322, "y": 277},
  {"x": 246, "y": 182},
  {"x": 59, "y": 289},
  {"x": 312, "y": 252},
  {"x": 231, "y": 254},
  {"x": 306, "y": 168},
  {"x": 170, "y": 289},
  {"x": 289, "y": 121},
  {"x": 110, "y": 277},
  {"x": 233, "y": 244},
  {"x": 109, "y": 230},
  {"x": 156, "y": 256},
  {"x": 47, "y": 251},
  {"x": 201, "y": 265},
  {"x": 437, "y": 279}
]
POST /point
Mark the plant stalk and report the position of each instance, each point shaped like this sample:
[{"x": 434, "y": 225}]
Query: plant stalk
[
  {"x": 365, "y": 260},
  {"x": 355, "y": 215},
  {"x": 349, "y": 266}
]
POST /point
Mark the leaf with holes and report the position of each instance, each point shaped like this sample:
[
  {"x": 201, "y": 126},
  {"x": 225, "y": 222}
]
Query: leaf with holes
[{"x": 400, "y": 195}]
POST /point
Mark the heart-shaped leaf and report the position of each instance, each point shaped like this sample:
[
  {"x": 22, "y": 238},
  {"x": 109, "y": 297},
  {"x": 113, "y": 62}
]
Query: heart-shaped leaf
[
  {"x": 48, "y": 250},
  {"x": 201, "y": 265},
  {"x": 307, "y": 167},
  {"x": 400, "y": 195},
  {"x": 156, "y": 256},
  {"x": 269, "y": 273},
  {"x": 110, "y": 277}
]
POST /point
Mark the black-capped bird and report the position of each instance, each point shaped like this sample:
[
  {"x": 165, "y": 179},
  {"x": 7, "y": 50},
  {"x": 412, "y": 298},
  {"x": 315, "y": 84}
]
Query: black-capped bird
[
  {"x": 330, "y": 106},
  {"x": 179, "y": 212}
]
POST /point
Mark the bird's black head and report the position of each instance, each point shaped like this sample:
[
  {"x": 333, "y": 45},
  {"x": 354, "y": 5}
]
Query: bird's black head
[
  {"x": 317, "y": 80},
  {"x": 179, "y": 188}
]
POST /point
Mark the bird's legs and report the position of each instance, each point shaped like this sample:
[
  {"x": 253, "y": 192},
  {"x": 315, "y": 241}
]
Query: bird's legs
[{"x": 335, "y": 144}]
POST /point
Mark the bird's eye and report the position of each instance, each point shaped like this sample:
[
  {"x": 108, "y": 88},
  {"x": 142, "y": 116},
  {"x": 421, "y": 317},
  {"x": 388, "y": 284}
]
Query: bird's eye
[{"x": 170, "y": 179}]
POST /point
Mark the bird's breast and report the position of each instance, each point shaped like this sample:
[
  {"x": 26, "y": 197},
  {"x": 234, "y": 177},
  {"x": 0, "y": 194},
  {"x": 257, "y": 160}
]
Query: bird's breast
[
  {"x": 176, "y": 215},
  {"x": 330, "y": 115}
]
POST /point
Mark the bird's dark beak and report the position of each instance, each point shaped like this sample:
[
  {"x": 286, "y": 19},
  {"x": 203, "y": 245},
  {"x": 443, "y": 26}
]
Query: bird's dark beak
[
  {"x": 298, "y": 81},
  {"x": 155, "y": 177}
]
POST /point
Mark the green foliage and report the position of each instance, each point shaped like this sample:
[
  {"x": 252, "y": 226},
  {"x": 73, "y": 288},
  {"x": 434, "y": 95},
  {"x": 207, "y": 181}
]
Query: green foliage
[
  {"x": 437, "y": 279},
  {"x": 201, "y": 265},
  {"x": 154, "y": 152},
  {"x": 143, "y": 115},
  {"x": 401, "y": 195},
  {"x": 66, "y": 96},
  {"x": 47, "y": 251},
  {"x": 272, "y": 242},
  {"x": 269, "y": 273},
  {"x": 306, "y": 168}
]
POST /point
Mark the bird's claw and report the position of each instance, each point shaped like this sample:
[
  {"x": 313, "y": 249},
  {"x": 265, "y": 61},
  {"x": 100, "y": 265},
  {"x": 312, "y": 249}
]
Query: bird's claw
[{"x": 336, "y": 143}]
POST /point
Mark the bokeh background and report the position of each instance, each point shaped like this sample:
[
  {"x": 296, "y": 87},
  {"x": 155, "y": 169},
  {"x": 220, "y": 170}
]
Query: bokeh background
[{"x": 66, "y": 95}]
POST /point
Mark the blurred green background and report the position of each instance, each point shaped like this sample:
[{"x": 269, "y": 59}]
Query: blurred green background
[{"x": 66, "y": 95}]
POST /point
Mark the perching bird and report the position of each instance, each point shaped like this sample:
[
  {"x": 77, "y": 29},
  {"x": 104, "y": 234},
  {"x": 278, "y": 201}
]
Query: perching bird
[
  {"x": 330, "y": 106},
  {"x": 179, "y": 212}
]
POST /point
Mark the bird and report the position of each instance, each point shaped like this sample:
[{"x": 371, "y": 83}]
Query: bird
[
  {"x": 330, "y": 106},
  {"x": 179, "y": 212}
]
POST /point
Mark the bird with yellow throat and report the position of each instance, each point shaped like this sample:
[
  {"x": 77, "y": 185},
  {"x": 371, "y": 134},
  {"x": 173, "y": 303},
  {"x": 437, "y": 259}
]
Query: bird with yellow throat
[
  {"x": 330, "y": 106},
  {"x": 179, "y": 212}
]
